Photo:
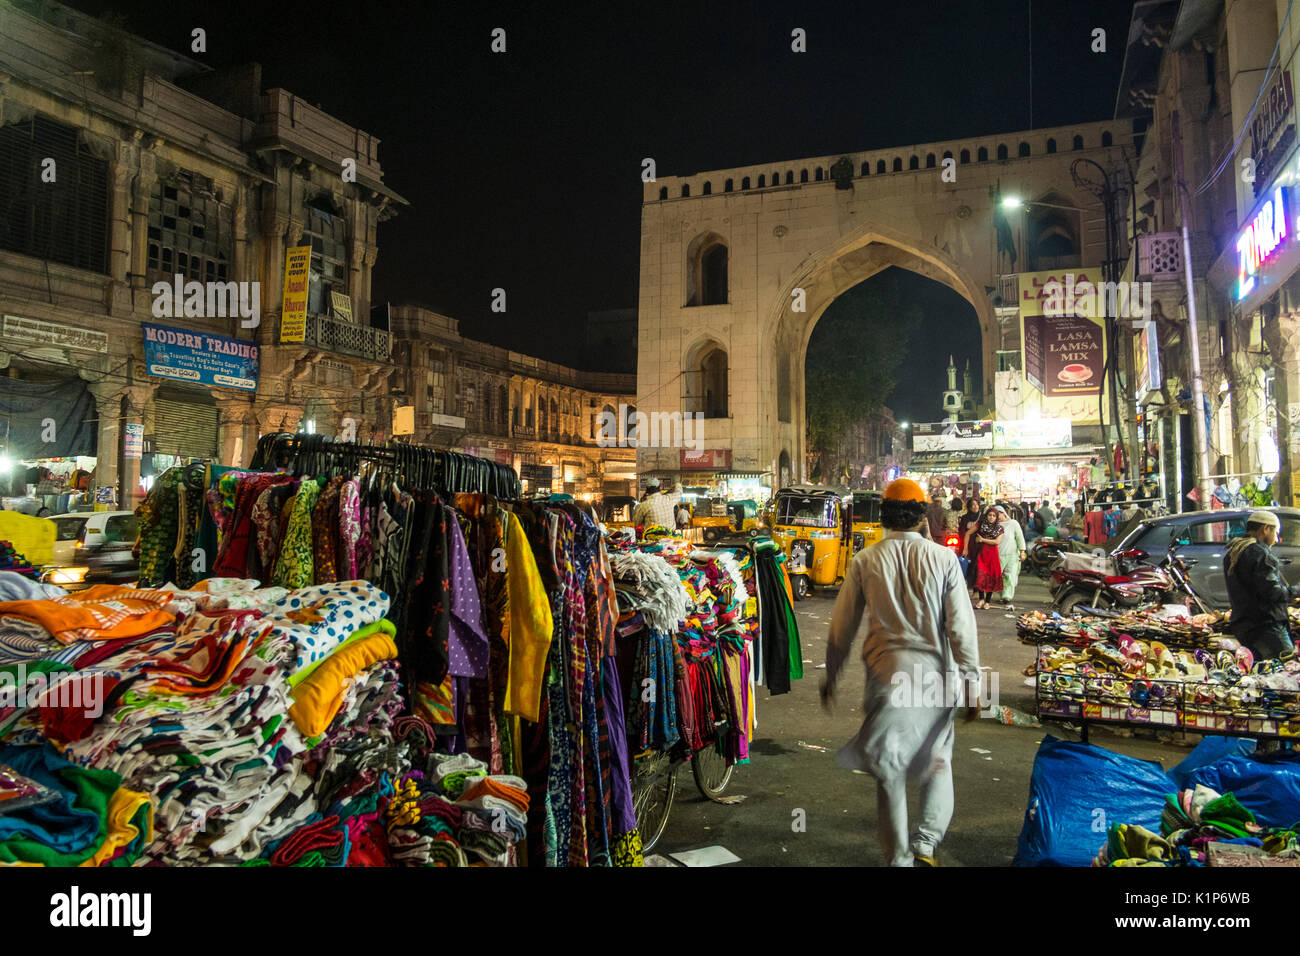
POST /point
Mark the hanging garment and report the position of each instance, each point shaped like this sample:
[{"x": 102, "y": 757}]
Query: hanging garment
[
  {"x": 349, "y": 528},
  {"x": 325, "y": 533},
  {"x": 295, "y": 567}
]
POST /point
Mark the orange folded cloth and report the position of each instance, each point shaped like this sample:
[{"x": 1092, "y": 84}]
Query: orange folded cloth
[
  {"x": 487, "y": 787},
  {"x": 100, "y": 613}
]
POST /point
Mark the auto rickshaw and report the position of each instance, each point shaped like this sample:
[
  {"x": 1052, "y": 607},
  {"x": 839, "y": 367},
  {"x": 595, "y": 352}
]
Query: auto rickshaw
[
  {"x": 617, "y": 511},
  {"x": 867, "y": 529},
  {"x": 744, "y": 515},
  {"x": 813, "y": 525},
  {"x": 711, "y": 518}
]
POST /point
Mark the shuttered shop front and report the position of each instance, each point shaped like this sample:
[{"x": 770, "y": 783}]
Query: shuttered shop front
[{"x": 186, "y": 429}]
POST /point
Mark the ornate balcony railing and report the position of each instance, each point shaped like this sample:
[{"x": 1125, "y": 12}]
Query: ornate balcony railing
[{"x": 346, "y": 338}]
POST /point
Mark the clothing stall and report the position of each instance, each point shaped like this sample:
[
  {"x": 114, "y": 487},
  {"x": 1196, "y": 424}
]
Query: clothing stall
[{"x": 352, "y": 655}]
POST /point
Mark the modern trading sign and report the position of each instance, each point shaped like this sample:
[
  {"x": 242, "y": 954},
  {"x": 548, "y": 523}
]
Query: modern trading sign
[
  {"x": 1261, "y": 239},
  {"x": 950, "y": 435},
  {"x": 200, "y": 357}
]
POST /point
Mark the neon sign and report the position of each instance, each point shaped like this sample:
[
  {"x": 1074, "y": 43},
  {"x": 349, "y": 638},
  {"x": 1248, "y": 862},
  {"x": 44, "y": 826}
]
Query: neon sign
[{"x": 1260, "y": 239}]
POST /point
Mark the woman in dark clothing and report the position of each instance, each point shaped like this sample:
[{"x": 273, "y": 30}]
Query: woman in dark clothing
[{"x": 970, "y": 545}]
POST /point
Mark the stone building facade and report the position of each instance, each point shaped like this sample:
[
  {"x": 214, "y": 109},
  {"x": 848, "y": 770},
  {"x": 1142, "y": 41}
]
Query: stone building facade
[
  {"x": 737, "y": 266},
  {"x": 542, "y": 418},
  {"x": 161, "y": 168}
]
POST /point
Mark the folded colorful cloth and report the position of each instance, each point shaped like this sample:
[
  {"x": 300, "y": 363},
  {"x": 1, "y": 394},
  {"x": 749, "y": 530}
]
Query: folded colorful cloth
[{"x": 315, "y": 836}]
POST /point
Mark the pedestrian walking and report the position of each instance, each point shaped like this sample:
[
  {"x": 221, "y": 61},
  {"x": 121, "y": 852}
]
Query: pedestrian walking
[
  {"x": 952, "y": 518},
  {"x": 918, "y": 624},
  {"x": 1011, "y": 552},
  {"x": 969, "y": 546},
  {"x": 936, "y": 514},
  {"x": 988, "y": 568},
  {"x": 1257, "y": 590}
]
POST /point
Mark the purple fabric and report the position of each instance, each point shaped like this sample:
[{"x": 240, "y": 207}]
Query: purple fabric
[
  {"x": 620, "y": 788},
  {"x": 467, "y": 644}
]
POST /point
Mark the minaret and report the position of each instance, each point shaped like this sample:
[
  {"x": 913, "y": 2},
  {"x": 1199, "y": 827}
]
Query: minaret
[
  {"x": 952, "y": 397},
  {"x": 966, "y": 387}
]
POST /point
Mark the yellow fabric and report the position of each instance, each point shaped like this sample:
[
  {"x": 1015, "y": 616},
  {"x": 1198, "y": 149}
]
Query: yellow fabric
[
  {"x": 31, "y": 537},
  {"x": 318, "y": 699},
  {"x": 529, "y": 635},
  {"x": 122, "y": 806},
  {"x": 384, "y": 624}
]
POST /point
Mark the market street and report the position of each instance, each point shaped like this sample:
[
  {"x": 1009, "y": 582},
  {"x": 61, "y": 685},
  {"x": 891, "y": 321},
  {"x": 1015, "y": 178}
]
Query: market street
[{"x": 788, "y": 774}]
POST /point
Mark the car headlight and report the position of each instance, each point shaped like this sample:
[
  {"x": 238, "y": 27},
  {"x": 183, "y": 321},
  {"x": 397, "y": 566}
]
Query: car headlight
[{"x": 63, "y": 576}]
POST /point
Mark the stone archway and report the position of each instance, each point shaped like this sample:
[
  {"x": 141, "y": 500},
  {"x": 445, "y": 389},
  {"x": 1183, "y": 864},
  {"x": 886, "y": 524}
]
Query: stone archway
[{"x": 826, "y": 274}]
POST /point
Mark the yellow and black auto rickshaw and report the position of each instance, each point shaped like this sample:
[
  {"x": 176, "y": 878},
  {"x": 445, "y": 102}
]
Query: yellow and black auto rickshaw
[
  {"x": 813, "y": 525},
  {"x": 710, "y": 519},
  {"x": 867, "y": 529},
  {"x": 617, "y": 511}
]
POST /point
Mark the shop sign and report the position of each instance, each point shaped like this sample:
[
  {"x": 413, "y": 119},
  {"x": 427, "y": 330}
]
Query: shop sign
[
  {"x": 1042, "y": 433},
  {"x": 447, "y": 421},
  {"x": 1076, "y": 291},
  {"x": 404, "y": 420},
  {"x": 1064, "y": 355},
  {"x": 200, "y": 357},
  {"x": 1146, "y": 361},
  {"x": 293, "y": 307},
  {"x": 706, "y": 459},
  {"x": 536, "y": 474},
  {"x": 342, "y": 305},
  {"x": 1261, "y": 239},
  {"x": 34, "y": 332},
  {"x": 950, "y": 435},
  {"x": 1274, "y": 116},
  {"x": 133, "y": 440}
]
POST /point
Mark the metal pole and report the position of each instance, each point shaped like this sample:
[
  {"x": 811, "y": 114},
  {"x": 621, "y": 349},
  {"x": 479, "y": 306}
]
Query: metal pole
[{"x": 1199, "y": 437}]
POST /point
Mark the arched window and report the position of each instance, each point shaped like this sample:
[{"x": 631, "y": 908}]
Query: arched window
[
  {"x": 929, "y": 160},
  {"x": 1023, "y": 150},
  {"x": 1051, "y": 145},
  {"x": 880, "y": 167},
  {"x": 503, "y": 406},
  {"x": 528, "y": 411},
  {"x": 762, "y": 181},
  {"x": 914, "y": 163},
  {"x": 729, "y": 186},
  {"x": 1078, "y": 142},
  {"x": 818, "y": 174},
  {"x": 488, "y": 415},
  {"x": 947, "y": 154},
  {"x": 983, "y": 155},
  {"x": 607, "y": 433},
  {"x": 776, "y": 179},
  {"x": 744, "y": 183},
  {"x": 789, "y": 177},
  {"x": 1052, "y": 234},
  {"x": 556, "y": 424},
  {"x": 543, "y": 422},
  {"x": 708, "y": 188},
  {"x": 663, "y": 192},
  {"x": 706, "y": 270},
  {"x": 592, "y": 436},
  {"x": 965, "y": 156},
  {"x": 803, "y": 175},
  {"x": 706, "y": 380},
  {"x": 898, "y": 164},
  {"x": 866, "y": 170},
  {"x": 514, "y": 409},
  {"x": 1002, "y": 151},
  {"x": 686, "y": 190},
  {"x": 1105, "y": 138}
]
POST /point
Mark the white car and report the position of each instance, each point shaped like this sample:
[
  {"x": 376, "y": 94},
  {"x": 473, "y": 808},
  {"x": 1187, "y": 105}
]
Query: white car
[{"x": 95, "y": 545}]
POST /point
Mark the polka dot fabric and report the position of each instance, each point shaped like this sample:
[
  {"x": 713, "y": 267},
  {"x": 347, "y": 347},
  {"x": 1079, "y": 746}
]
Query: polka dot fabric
[{"x": 320, "y": 618}]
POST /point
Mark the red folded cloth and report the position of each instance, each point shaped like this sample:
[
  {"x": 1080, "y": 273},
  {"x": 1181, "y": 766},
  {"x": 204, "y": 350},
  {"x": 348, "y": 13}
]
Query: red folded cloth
[{"x": 314, "y": 836}]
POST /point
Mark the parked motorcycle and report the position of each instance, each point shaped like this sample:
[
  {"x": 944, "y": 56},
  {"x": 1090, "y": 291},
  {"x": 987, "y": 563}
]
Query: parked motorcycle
[{"x": 1137, "y": 584}]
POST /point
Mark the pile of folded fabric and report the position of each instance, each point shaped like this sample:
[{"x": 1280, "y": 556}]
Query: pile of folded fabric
[
  {"x": 221, "y": 724},
  {"x": 11, "y": 560},
  {"x": 1192, "y": 821}
]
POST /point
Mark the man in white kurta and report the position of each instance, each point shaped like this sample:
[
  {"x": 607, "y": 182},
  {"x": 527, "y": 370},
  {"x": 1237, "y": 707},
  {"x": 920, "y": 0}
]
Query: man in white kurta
[{"x": 922, "y": 660}]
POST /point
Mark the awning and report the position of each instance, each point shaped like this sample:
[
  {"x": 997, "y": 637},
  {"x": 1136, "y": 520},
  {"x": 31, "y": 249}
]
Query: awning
[{"x": 1072, "y": 453}]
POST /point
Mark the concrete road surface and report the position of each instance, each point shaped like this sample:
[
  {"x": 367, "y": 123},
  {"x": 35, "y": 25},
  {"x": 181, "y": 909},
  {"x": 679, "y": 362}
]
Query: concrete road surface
[{"x": 792, "y": 765}]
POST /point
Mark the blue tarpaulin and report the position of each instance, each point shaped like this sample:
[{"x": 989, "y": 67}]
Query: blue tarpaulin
[{"x": 1077, "y": 791}]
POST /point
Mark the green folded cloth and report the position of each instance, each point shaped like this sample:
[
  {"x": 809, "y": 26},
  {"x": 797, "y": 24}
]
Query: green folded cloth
[{"x": 1227, "y": 814}]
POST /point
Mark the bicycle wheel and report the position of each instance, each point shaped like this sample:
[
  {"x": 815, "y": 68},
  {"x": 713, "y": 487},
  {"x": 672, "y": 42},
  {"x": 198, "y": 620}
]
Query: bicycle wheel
[
  {"x": 712, "y": 774},
  {"x": 652, "y": 799}
]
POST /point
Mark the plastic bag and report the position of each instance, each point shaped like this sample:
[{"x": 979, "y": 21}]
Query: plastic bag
[{"x": 18, "y": 792}]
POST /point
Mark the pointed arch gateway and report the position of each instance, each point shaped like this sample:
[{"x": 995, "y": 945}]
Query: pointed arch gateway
[{"x": 835, "y": 269}]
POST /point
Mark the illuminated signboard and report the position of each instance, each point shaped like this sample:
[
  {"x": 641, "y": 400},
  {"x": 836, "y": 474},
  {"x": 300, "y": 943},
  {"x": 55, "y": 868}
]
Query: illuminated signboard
[{"x": 1262, "y": 237}]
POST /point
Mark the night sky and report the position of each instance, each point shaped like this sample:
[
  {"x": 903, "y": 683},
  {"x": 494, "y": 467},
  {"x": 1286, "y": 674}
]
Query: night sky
[{"x": 523, "y": 168}]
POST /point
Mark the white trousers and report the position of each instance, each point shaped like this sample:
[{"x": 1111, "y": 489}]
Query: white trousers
[{"x": 900, "y": 746}]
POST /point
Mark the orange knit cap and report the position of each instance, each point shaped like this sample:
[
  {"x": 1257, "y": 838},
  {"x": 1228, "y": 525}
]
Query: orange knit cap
[{"x": 905, "y": 489}]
